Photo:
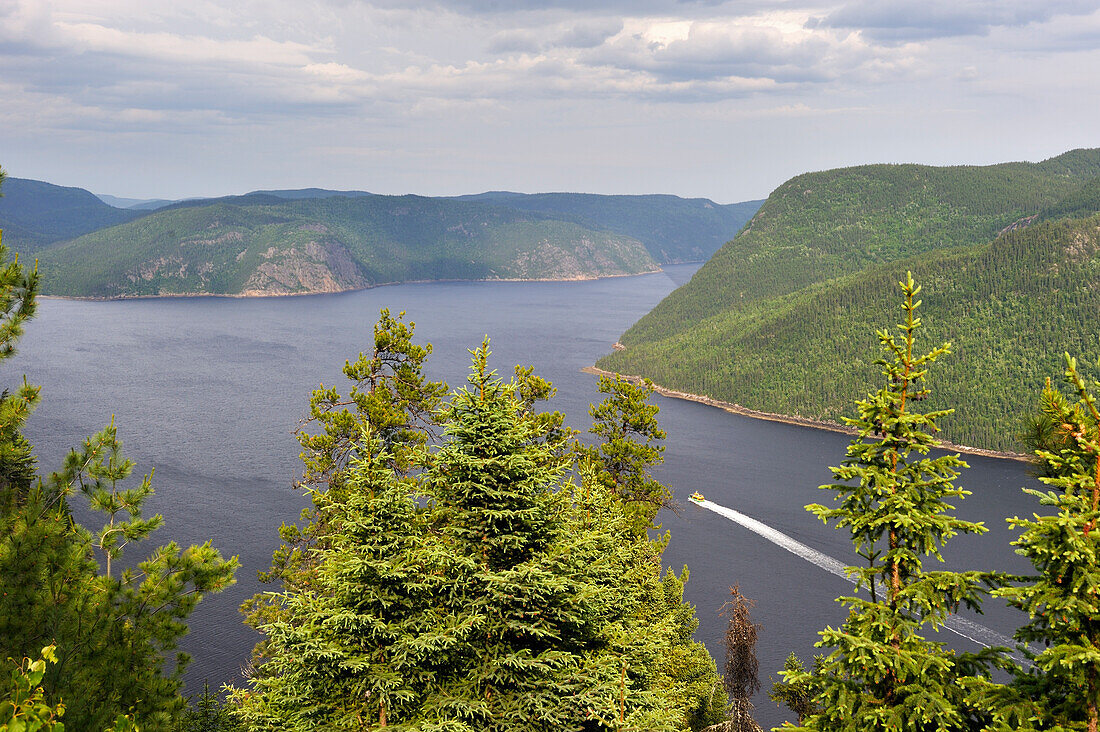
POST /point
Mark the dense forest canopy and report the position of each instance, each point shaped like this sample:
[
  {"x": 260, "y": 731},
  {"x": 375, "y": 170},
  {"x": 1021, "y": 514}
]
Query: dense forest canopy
[
  {"x": 780, "y": 320},
  {"x": 314, "y": 240}
]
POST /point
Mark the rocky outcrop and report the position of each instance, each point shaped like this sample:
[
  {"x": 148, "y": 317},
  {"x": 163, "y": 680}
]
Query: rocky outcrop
[{"x": 317, "y": 266}]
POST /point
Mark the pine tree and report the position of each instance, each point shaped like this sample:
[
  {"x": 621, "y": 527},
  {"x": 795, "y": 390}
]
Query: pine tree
[
  {"x": 60, "y": 584},
  {"x": 894, "y": 500},
  {"x": 628, "y": 447},
  {"x": 389, "y": 393}
]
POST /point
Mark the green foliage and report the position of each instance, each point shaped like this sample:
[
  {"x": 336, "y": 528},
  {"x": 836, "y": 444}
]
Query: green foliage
[
  {"x": 1080, "y": 203},
  {"x": 673, "y": 229},
  {"x": 1062, "y": 689},
  {"x": 359, "y": 642},
  {"x": 112, "y": 629},
  {"x": 391, "y": 399},
  {"x": 23, "y": 707},
  {"x": 262, "y": 245},
  {"x": 483, "y": 592},
  {"x": 208, "y": 713},
  {"x": 755, "y": 321},
  {"x": 894, "y": 501},
  {"x": 36, "y": 214},
  {"x": 625, "y": 424},
  {"x": 389, "y": 394},
  {"x": 799, "y": 692}
]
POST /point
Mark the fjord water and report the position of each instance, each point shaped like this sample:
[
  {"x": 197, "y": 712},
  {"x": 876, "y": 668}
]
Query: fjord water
[{"x": 209, "y": 390}]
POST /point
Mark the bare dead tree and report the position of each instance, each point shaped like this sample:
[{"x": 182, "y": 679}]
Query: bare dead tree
[{"x": 741, "y": 678}]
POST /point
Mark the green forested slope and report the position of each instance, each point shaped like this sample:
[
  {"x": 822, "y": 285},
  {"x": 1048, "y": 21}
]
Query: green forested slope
[
  {"x": 1011, "y": 306},
  {"x": 34, "y": 214},
  {"x": 673, "y": 229},
  {"x": 265, "y": 245},
  {"x": 818, "y": 226}
]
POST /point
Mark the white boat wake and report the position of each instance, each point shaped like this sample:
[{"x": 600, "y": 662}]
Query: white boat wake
[{"x": 976, "y": 632}]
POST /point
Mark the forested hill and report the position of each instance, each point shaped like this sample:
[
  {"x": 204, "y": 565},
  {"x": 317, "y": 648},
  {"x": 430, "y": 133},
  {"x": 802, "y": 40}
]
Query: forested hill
[
  {"x": 783, "y": 318},
  {"x": 673, "y": 229},
  {"x": 34, "y": 214},
  {"x": 319, "y": 240},
  {"x": 262, "y": 244}
]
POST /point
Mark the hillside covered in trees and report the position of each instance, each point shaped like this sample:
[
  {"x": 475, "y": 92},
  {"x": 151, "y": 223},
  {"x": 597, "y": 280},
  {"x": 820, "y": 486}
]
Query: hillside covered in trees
[
  {"x": 315, "y": 240},
  {"x": 467, "y": 564},
  {"x": 35, "y": 214},
  {"x": 782, "y": 317},
  {"x": 260, "y": 246}
]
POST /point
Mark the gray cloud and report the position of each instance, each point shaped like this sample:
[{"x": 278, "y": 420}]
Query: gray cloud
[
  {"x": 898, "y": 21},
  {"x": 607, "y": 85},
  {"x": 589, "y": 35}
]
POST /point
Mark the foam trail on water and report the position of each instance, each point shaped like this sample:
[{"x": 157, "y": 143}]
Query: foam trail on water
[{"x": 964, "y": 627}]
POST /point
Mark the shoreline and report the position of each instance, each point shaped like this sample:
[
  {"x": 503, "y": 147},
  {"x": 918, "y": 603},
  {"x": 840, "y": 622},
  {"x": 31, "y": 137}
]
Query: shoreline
[
  {"x": 260, "y": 295},
  {"x": 818, "y": 424}
]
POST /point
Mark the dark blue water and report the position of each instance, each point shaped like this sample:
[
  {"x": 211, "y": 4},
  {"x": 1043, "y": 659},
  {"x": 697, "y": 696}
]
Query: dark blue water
[{"x": 209, "y": 390}]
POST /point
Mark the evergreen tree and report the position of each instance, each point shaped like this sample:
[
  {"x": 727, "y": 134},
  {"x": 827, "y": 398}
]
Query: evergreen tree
[
  {"x": 510, "y": 598},
  {"x": 625, "y": 424},
  {"x": 798, "y": 696},
  {"x": 497, "y": 508},
  {"x": 659, "y": 676},
  {"x": 894, "y": 500},
  {"x": 61, "y": 585},
  {"x": 1062, "y": 688},
  {"x": 390, "y": 398},
  {"x": 208, "y": 713},
  {"x": 389, "y": 393},
  {"x": 355, "y": 649}
]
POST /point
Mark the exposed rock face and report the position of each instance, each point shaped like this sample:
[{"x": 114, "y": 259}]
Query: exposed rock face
[
  {"x": 1084, "y": 245},
  {"x": 316, "y": 267},
  {"x": 585, "y": 259},
  {"x": 160, "y": 267}
]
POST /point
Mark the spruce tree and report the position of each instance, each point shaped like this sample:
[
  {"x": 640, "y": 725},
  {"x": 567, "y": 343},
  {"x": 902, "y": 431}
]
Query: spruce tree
[
  {"x": 1061, "y": 690},
  {"x": 882, "y": 674},
  {"x": 494, "y": 486},
  {"x": 354, "y": 650},
  {"x": 798, "y": 696},
  {"x": 659, "y": 676},
  {"x": 390, "y": 398},
  {"x": 488, "y": 592}
]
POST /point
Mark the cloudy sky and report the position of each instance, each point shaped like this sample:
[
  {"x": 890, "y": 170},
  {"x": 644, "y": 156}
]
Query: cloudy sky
[{"x": 164, "y": 98}]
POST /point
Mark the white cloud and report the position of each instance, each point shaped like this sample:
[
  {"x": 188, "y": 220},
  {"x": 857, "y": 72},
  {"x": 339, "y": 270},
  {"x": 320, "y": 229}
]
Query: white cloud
[{"x": 440, "y": 73}]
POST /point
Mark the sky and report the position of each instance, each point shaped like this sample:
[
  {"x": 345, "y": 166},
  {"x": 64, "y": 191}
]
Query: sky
[{"x": 698, "y": 98}]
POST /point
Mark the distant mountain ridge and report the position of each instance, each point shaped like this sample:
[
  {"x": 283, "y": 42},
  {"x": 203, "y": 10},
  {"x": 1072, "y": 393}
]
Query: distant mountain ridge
[
  {"x": 673, "y": 229},
  {"x": 264, "y": 245},
  {"x": 782, "y": 318},
  {"x": 35, "y": 214},
  {"x": 319, "y": 240}
]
